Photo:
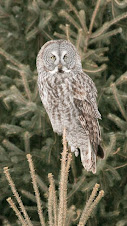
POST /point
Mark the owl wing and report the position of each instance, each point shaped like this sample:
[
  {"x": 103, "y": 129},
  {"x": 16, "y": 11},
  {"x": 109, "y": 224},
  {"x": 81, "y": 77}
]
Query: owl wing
[{"x": 84, "y": 94}]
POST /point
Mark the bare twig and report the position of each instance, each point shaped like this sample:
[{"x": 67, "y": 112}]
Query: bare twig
[
  {"x": 106, "y": 36},
  {"x": 54, "y": 204},
  {"x": 50, "y": 206},
  {"x": 67, "y": 32},
  {"x": 62, "y": 198},
  {"x": 90, "y": 205},
  {"x": 65, "y": 185},
  {"x": 37, "y": 195},
  {"x": 10, "y": 58},
  {"x": 93, "y": 16},
  {"x": 73, "y": 8},
  {"x": 101, "y": 68},
  {"x": 108, "y": 24},
  {"x": 13, "y": 188},
  {"x": 120, "y": 4},
  {"x": 92, "y": 22},
  {"x": 70, "y": 18},
  {"x": 17, "y": 212}
]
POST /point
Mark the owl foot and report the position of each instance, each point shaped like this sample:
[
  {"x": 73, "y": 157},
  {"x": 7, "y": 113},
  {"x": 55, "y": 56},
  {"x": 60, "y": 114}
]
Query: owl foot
[{"x": 75, "y": 150}]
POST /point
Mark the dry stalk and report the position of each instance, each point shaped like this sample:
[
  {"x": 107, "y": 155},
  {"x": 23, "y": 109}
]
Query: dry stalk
[
  {"x": 57, "y": 215},
  {"x": 90, "y": 205},
  {"x": 94, "y": 204},
  {"x": 50, "y": 206},
  {"x": 13, "y": 188},
  {"x": 69, "y": 157},
  {"x": 62, "y": 186},
  {"x": 17, "y": 212},
  {"x": 37, "y": 194},
  {"x": 54, "y": 200}
]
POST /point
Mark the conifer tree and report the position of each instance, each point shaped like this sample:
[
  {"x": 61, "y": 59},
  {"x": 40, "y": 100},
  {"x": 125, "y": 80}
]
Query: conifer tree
[{"x": 98, "y": 30}]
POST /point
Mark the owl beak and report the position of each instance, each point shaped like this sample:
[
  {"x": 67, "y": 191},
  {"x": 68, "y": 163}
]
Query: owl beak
[{"x": 60, "y": 68}]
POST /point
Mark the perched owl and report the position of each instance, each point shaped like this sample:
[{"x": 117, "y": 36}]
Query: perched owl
[{"x": 69, "y": 97}]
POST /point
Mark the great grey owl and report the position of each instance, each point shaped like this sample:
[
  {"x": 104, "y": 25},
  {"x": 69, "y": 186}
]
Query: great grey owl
[{"x": 69, "y": 97}]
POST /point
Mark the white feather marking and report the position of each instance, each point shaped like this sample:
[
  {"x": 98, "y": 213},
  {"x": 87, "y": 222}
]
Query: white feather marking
[
  {"x": 63, "y": 53},
  {"x": 65, "y": 69},
  {"x": 54, "y": 71},
  {"x": 88, "y": 157},
  {"x": 89, "y": 151}
]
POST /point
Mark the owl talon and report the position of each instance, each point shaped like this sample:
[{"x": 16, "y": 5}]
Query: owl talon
[
  {"x": 76, "y": 153},
  {"x": 73, "y": 149}
]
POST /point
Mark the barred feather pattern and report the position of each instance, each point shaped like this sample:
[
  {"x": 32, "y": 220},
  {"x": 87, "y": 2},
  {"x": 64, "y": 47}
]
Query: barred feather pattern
[{"x": 70, "y": 101}]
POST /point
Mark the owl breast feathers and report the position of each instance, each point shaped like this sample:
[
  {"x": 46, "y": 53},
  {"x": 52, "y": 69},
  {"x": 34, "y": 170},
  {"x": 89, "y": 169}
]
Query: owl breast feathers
[{"x": 69, "y": 97}]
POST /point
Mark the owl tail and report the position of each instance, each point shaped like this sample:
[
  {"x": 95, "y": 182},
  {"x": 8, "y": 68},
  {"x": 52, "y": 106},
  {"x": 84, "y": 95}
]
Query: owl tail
[{"x": 88, "y": 157}]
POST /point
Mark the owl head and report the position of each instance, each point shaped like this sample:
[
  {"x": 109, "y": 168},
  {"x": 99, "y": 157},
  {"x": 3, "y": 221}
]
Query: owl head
[{"x": 58, "y": 56}]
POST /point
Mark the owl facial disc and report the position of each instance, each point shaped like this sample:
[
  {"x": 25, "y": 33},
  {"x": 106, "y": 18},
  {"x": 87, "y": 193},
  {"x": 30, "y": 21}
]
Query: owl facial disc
[{"x": 59, "y": 57}]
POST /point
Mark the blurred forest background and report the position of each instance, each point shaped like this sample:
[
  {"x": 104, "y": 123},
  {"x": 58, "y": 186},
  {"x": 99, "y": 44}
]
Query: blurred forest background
[{"x": 99, "y": 31}]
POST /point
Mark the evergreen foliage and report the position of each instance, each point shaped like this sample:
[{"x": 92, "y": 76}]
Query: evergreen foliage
[{"x": 98, "y": 29}]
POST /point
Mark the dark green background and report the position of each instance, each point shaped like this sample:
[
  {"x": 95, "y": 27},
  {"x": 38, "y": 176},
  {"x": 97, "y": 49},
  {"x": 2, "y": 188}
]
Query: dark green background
[{"x": 24, "y": 125}]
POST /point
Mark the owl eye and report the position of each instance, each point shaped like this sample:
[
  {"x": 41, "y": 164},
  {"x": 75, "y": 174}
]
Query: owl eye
[
  {"x": 53, "y": 57},
  {"x": 65, "y": 57}
]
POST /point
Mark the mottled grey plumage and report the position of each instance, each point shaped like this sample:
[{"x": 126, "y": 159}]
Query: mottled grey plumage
[{"x": 69, "y": 97}]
